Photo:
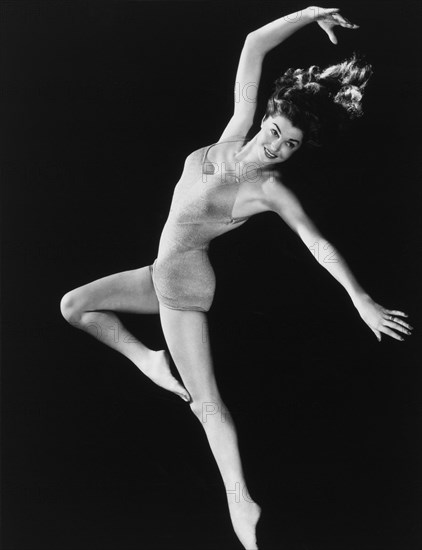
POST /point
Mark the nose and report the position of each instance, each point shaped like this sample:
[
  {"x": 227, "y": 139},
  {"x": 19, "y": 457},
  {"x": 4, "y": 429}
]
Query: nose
[{"x": 276, "y": 144}]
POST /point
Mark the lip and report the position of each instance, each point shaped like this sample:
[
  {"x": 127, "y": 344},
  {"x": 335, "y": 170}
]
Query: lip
[{"x": 270, "y": 158}]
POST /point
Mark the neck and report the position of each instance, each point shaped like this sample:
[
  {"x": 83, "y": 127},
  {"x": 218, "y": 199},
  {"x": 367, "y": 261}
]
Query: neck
[{"x": 248, "y": 155}]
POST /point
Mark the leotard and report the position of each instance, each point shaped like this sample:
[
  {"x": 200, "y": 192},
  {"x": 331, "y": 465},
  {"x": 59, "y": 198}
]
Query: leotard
[{"x": 201, "y": 210}]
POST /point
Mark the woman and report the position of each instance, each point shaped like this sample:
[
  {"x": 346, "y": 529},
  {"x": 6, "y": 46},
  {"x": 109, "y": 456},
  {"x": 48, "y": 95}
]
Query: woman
[{"x": 221, "y": 187}]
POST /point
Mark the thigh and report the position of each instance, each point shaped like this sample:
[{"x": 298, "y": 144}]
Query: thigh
[
  {"x": 128, "y": 291},
  {"x": 187, "y": 337}
]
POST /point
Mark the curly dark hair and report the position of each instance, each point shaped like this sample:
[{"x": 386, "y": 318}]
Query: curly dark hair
[{"x": 320, "y": 103}]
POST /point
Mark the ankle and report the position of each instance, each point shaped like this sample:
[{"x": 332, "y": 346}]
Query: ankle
[
  {"x": 144, "y": 358},
  {"x": 238, "y": 495}
]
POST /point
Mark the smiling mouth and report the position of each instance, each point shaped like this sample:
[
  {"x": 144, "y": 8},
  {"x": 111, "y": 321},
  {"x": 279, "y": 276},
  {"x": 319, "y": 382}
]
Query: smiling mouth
[{"x": 268, "y": 154}]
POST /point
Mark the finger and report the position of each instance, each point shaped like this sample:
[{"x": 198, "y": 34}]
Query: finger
[
  {"x": 397, "y": 326},
  {"x": 332, "y": 36},
  {"x": 403, "y": 324},
  {"x": 343, "y": 21},
  {"x": 395, "y": 312},
  {"x": 391, "y": 333},
  {"x": 377, "y": 334},
  {"x": 399, "y": 321}
]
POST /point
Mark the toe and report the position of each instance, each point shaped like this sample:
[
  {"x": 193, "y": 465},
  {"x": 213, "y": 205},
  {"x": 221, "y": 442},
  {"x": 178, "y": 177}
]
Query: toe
[
  {"x": 185, "y": 397},
  {"x": 183, "y": 393},
  {"x": 180, "y": 390}
]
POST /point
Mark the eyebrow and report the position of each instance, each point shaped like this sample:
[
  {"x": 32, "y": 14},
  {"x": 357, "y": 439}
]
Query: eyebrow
[{"x": 279, "y": 131}]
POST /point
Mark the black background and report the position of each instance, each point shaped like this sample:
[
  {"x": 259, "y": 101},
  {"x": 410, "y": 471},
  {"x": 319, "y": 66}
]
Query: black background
[{"x": 329, "y": 420}]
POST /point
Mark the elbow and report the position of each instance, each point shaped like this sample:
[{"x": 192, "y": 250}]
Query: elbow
[
  {"x": 254, "y": 47},
  {"x": 252, "y": 40}
]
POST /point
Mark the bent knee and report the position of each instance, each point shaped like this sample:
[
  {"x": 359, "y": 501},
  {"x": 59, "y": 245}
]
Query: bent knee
[{"x": 70, "y": 307}]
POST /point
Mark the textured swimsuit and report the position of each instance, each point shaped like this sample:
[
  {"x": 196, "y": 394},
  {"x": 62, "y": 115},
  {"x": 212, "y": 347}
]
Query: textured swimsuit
[{"x": 201, "y": 209}]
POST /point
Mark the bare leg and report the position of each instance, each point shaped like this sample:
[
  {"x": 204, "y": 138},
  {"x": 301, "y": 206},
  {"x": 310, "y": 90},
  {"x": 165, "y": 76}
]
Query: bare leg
[
  {"x": 90, "y": 308},
  {"x": 186, "y": 333}
]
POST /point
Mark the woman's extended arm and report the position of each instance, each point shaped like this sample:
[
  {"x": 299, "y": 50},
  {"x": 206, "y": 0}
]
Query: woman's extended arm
[
  {"x": 257, "y": 44},
  {"x": 379, "y": 319}
]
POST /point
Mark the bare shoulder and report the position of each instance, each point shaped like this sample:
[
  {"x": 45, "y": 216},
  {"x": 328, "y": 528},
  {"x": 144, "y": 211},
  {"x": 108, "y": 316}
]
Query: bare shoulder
[
  {"x": 224, "y": 149},
  {"x": 278, "y": 196}
]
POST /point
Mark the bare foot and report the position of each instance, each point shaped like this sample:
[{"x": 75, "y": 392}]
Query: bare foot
[
  {"x": 157, "y": 368},
  {"x": 245, "y": 516}
]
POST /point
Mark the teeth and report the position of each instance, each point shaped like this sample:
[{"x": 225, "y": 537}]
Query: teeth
[{"x": 269, "y": 154}]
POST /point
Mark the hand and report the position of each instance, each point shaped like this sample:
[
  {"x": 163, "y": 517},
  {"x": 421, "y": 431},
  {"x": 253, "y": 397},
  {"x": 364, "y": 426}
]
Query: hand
[
  {"x": 327, "y": 18},
  {"x": 381, "y": 320}
]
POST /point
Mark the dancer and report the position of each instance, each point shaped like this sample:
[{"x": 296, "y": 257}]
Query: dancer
[{"x": 221, "y": 187}]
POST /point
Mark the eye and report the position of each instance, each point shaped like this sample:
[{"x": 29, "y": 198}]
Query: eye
[
  {"x": 290, "y": 144},
  {"x": 273, "y": 132}
]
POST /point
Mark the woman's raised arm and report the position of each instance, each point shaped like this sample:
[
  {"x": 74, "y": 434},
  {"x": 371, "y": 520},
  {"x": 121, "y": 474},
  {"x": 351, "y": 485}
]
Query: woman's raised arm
[{"x": 257, "y": 44}]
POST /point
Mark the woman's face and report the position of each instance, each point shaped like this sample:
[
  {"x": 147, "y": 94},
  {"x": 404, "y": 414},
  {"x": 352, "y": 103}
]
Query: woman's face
[{"x": 277, "y": 140}]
